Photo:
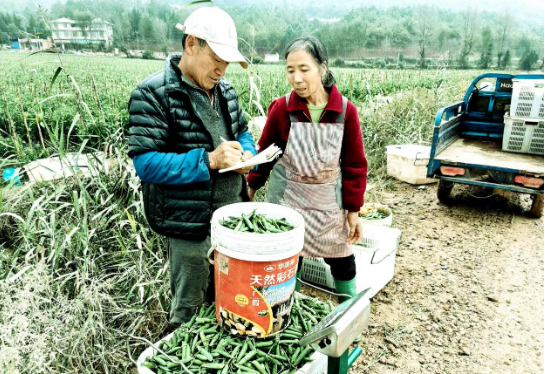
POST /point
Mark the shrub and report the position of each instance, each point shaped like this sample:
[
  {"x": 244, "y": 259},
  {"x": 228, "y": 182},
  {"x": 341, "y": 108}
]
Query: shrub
[
  {"x": 148, "y": 55},
  {"x": 339, "y": 62},
  {"x": 379, "y": 63}
]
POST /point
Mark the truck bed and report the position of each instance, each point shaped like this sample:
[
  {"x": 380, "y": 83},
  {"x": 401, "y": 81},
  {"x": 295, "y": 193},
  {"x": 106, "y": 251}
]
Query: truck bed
[{"x": 488, "y": 153}]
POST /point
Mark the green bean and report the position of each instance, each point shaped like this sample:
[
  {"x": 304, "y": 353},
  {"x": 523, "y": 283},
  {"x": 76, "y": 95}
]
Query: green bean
[
  {"x": 243, "y": 350},
  {"x": 291, "y": 335},
  {"x": 259, "y": 367},
  {"x": 225, "y": 369},
  {"x": 149, "y": 365},
  {"x": 247, "y": 357},
  {"x": 277, "y": 356},
  {"x": 248, "y": 222},
  {"x": 246, "y": 369},
  {"x": 302, "y": 355},
  {"x": 206, "y": 354},
  {"x": 289, "y": 341},
  {"x": 159, "y": 360},
  {"x": 264, "y": 344},
  {"x": 213, "y": 365},
  {"x": 223, "y": 353},
  {"x": 274, "y": 360}
]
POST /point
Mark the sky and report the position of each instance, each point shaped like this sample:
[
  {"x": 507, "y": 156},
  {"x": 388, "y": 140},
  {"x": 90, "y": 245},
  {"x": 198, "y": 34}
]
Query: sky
[{"x": 531, "y": 10}]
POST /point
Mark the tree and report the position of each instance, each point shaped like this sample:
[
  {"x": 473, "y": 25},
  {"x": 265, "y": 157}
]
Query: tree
[
  {"x": 17, "y": 21},
  {"x": 147, "y": 31},
  {"x": 486, "y": 47},
  {"x": 528, "y": 60},
  {"x": 506, "y": 59},
  {"x": 424, "y": 32},
  {"x": 32, "y": 25},
  {"x": 134, "y": 19},
  {"x": 399, "y": 37},
  {"x": 505, "y": 24},
  {"x": 469, "y": 28},
  {"x": 84, "y": 20},
  {"x": 524, "y": 43},
  {"x": 375, "y": 37}
]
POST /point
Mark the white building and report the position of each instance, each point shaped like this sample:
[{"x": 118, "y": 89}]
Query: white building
[
  {"x": 34, "y": 44},
  {"x": 65, "y": 31},
  {"x": 272, "y": 57}
]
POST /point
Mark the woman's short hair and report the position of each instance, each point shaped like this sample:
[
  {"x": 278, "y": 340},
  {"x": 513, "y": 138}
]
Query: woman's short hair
[{"x": 314, "y": 47}]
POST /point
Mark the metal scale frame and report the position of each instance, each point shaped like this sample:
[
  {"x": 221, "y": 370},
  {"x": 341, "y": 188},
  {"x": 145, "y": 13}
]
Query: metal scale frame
[{"x": 334, "y": 334}]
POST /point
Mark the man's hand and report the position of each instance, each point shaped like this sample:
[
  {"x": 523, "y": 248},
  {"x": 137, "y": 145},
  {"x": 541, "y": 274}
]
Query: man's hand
[
  {"x": 227, "y": 154},
  {"x": 246, "y": 156},
  {"x": 355, "y": 234}
]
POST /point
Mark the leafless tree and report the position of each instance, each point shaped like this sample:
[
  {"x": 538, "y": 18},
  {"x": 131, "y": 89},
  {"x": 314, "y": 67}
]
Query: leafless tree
[
  {"x": 505, "y": 24},
  {"x": 469, "y": 28},
  {"x": 424, "y": 31}
]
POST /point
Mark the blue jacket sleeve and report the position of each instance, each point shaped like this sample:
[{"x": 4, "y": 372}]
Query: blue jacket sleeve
[
  {"x": 247, "y": 142},
  {"x": 172, "y": 168}
]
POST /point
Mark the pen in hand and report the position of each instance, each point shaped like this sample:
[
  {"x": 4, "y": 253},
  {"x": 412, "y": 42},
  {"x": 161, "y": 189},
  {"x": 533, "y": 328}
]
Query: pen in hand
[{"x": 241, "y": 153}]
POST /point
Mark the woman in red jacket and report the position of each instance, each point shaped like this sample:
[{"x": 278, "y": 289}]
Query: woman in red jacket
[{"x": 322, "y": 172}]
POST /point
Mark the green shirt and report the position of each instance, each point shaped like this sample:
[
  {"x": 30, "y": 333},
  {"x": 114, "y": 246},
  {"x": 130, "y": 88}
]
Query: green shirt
[{"x": 316, "y": 111}]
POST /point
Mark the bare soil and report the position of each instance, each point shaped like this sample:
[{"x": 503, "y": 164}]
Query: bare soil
[{"x": 467, "y": 294}]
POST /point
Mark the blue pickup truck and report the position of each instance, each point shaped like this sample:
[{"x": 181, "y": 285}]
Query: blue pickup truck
[{"x": 468, "y": 137}]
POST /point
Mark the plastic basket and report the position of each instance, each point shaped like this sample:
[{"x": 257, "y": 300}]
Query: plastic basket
[
  {"x": 379, "y": 222},
  {"x": 527, "y": 98},
  {"x": 375, "y": 261},
  {"x": 316, "y": 271},
  {"x": 523, "y": 135},
  {"x": 318, "y": 366}
]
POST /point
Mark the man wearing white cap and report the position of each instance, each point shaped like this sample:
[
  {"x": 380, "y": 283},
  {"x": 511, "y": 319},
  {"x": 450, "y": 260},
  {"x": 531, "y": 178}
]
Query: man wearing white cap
[{"x": 177, "y": 121}]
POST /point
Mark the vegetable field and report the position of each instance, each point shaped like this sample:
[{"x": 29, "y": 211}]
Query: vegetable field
[{"x": 81, "y": 273}]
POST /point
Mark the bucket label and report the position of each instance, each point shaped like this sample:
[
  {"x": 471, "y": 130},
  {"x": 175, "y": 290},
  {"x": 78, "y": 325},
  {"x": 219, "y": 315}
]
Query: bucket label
[{"x": 254, "y": 298}]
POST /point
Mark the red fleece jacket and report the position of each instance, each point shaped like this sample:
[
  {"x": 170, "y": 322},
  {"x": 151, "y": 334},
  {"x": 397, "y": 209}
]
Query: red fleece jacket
[{"x": 353, "y": 161}]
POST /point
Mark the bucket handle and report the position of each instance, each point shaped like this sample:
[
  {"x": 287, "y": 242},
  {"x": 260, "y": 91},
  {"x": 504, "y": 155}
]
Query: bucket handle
[{"x": 210, "y": 251}]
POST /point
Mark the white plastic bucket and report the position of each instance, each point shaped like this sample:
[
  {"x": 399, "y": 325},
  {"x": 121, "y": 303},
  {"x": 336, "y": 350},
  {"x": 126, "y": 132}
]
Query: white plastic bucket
[{"x": 254, "y": 274}]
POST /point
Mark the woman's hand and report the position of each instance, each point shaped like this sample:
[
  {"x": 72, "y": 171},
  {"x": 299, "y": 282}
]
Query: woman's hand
[
  {"x": 355, "y": 234},
  {"x": 251, "y": 193}
]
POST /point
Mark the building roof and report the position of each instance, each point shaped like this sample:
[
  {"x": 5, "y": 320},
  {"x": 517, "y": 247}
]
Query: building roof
[
  {"x": 63, "y": 20},
  {"x": 68, "y": 20}
]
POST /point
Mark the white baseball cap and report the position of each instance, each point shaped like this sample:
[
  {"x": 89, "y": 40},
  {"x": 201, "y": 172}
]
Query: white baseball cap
[{"x": 218, "y": 29}]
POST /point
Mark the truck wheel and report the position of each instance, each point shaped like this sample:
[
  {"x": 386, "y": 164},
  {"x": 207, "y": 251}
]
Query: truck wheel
[
  {"x": 537, "y": 207},
  {"x": 444, "y": 189}
]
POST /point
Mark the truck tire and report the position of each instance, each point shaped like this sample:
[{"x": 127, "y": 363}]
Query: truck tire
[
  {"x": 444, "y": 189},
  {"x": 537, "y": 206}
]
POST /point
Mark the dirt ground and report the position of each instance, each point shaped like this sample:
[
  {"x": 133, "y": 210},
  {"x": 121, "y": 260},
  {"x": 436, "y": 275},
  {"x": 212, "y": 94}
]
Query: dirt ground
[{"x": 467, "y": 294}]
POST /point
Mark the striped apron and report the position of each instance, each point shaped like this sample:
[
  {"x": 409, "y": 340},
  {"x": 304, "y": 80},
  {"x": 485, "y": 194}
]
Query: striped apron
[{"x": 307, "y": 178}]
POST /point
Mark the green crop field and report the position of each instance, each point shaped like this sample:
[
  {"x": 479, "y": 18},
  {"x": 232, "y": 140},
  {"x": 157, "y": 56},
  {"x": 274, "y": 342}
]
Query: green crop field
[{"x": 81, "y": 273}]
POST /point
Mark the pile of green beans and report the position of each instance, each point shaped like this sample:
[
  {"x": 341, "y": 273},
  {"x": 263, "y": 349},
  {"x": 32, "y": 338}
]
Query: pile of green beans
[
  {"x": 257, "y": 223},
  {"x": 374, "y": 215},
  {"x": 203, "y": 347}
]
